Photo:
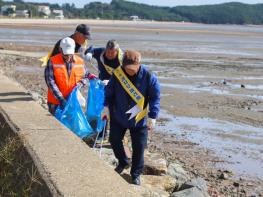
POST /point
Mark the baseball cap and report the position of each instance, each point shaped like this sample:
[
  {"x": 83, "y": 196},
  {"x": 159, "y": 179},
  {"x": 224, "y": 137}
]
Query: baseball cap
[
  {"x": 68, "y": 46},
  {"x": 85, "y": 30},
  {"x": 131, "y": 59}
]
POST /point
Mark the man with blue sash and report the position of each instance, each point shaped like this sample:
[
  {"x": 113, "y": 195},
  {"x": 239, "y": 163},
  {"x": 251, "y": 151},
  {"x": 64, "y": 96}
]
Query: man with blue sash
[{"x": 132, "y": 97}]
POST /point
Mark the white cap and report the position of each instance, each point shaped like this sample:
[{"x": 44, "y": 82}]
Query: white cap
[{"x": 68, "y": 46}]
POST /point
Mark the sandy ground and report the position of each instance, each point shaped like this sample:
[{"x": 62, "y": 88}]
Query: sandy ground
[{"x": 212, "y": 102}]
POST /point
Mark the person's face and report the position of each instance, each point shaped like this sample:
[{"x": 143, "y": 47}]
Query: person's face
[
  {"x": 131, "y": 72},
  {"x": 80, "y": 38},
  {"x": 68, "y": 58},
  {"x": 111, "y": 53}
]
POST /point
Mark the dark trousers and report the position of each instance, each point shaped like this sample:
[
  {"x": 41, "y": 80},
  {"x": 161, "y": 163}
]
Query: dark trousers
[
  {"x": 139, "y": 142},
  {"x": 52, "y": 108}
]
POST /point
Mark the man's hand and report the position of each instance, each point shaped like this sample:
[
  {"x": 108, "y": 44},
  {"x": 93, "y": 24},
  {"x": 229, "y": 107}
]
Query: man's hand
[
  {"x": 105, "y": 113},
  {"x": 88, "y": 57},
  {"x": 151, "y": 124},
  {"x": 92, "y": 76}
]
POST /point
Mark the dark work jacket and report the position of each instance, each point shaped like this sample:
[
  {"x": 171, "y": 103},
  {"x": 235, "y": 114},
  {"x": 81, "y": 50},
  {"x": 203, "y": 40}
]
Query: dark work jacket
[
  {"x": 120, "y": 102},
  {"x": 103, "y": 74},
  {"x": 56, "y": 49}
]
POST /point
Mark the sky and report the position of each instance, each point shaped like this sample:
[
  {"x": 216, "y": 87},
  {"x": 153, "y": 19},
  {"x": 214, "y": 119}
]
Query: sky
[{"x": 171, "y": 3}]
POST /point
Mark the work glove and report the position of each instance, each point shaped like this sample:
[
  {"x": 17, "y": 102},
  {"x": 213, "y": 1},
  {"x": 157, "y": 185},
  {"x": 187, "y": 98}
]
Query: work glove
[
  {"x": 105, "y": 82},
  {"x": 88, "y": 57},
  {"x": 92, "y": 76},
  {"x": 151, "y": 123},
  {"x": 105, "y": 113}
]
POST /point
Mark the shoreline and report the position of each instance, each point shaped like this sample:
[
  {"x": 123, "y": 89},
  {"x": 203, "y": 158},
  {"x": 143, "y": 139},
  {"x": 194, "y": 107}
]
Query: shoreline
[{"x": 104, "y": 21}]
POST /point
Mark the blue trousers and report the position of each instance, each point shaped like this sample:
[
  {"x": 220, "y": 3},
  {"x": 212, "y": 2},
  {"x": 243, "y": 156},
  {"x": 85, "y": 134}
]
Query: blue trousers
[{"x": 139, "y": 142}]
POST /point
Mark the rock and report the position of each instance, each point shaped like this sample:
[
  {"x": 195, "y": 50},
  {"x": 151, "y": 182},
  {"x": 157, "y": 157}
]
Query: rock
[
  {"x": 154, "y": 164},
  {"x": 191, "y": 192},
  {"x": 108, "y": 156},
  {"x": 243, "y": 191},
  {"x": 154, "y": 192},
  {"x": 35, "y": 96},
  {"x": 198, "y": 183},
  {"x": 236, "y": 184},
  {"x": 223, "y": 176},
  {"x": 165, "y": 183},
  {"x": 175, "y": 170}
]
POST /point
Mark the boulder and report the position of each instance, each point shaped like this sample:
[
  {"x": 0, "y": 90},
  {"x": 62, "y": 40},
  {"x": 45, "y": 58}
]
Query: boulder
[
  {"x": 191, "y": 192},
  {"x": 154, "y": 164},
  {"x": 175, "y": 170},
  {"x": 193, "y": 188},
  {"x": 198, "y": 183},
  {"x": 153, "y": 192},
  {"x": 165, "y": 183},
  {"x": 108, "y": 156}
]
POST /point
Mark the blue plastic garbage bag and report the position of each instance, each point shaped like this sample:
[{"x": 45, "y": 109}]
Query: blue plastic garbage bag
[
  {"x": 73, "y": 117},
  {"x": 95, "y": 105}
]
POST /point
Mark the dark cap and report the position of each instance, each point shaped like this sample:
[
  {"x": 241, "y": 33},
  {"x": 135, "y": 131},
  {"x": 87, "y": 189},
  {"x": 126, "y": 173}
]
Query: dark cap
[
  {"x": 84, "y": 29},
  {"x": 131, "y": 59},
  {"x": 112, "y": 44}
]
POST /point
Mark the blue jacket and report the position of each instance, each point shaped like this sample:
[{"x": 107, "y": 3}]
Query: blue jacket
[
  {"x": 103, "y": 74},
  {"x": 120, "y": 102}
]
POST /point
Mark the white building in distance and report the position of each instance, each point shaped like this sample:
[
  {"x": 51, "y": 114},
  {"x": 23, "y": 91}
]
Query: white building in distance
[
  {"x": 58, "y": 14},
  {"x": 135, "y": 18},
  {"x": 22, "y": 13},
  {"x": 44, "y": 10},
  {"x": 8, "y": 10}
]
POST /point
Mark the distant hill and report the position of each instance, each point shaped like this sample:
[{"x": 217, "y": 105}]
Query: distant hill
[
  {"x": 120, "y": 9},
  {"x": 227, "y": 13}
]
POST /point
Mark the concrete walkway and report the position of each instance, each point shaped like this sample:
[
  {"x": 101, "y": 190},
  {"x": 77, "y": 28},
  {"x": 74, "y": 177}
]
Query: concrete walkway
[{"x": 67, "y": 164}]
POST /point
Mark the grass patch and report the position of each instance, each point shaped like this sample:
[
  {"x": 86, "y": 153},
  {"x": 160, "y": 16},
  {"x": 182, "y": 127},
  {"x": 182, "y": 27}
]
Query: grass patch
[{"x": 18, "y": 174}]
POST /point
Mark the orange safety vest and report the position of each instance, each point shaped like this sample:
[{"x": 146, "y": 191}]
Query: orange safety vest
[{"x": 64, "y": 82}]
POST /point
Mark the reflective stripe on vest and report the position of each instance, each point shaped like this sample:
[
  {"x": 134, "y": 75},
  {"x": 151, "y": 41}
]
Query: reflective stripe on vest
[{"x": 64, "y": 82}]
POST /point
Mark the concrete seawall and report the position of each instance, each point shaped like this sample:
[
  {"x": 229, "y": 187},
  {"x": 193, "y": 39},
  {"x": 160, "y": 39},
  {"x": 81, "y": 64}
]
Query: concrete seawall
[{"x": 68, "y": 165}]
